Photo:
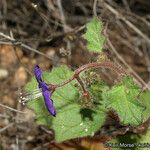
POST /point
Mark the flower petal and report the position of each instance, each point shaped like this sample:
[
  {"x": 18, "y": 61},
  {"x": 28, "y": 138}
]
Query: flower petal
[
  {"x": 38, "y": 73},
  {"x": 48, "y": 101},
  {"x": 45, "y": 91}
]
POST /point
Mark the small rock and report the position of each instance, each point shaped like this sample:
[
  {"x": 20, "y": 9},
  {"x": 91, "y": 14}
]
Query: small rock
[
  {"x": 30, "y": 138},
  {"x": 7, "y": 55},
  {"x": 50, "y": 52},
  {"x": 3, "y": 73},
  {"x": 21, "y": 76}
]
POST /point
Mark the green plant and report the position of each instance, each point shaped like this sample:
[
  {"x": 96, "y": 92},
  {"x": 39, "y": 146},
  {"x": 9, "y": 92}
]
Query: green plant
[{"x": 82, "y": 110}]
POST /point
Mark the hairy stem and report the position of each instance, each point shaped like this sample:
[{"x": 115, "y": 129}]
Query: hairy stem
[{"x": 109, "y": 65}]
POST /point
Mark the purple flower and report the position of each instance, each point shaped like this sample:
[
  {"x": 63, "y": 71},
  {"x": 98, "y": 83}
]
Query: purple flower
[{"x": 45, "y": 91}]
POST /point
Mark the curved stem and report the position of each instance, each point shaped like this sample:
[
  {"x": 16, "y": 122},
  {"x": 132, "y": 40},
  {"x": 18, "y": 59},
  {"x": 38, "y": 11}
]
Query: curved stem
[{"x": 109, "y": 65}]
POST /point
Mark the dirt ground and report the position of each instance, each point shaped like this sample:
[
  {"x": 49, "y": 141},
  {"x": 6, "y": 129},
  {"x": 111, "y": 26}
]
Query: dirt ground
[{"x": 49, "y": 33}]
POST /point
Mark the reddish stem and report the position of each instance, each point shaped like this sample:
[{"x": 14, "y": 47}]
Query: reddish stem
[
  {"x": 85, "y": 92},
  {"x": 81, "y": 83},
  {"x": 108, "y": 65}
]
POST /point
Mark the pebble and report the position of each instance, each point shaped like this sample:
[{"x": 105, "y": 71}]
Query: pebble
[
  {"x": 21, "y": 76},
  {"x": 8, "y": 55},
  {"x": 50, "y": 52},
  {"x": 30, "y": 138},
  {"x": 3, "y": 73}
]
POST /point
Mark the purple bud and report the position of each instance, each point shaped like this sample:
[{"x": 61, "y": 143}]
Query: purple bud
[{"x": 45, "y": 91}]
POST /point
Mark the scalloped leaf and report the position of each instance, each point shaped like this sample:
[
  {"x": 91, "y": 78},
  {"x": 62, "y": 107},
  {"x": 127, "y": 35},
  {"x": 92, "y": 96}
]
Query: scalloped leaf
[
  {"x": 95, "y": 38},
  {"x": 71, "y": 121},
  {"x": 123, "y": 99}
]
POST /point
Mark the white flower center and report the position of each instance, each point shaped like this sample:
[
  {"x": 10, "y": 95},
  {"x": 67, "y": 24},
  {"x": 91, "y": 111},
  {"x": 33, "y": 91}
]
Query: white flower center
[{"x": 25, "y": 97}]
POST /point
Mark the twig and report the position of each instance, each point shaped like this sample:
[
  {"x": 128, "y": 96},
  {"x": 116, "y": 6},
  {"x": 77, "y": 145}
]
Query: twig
[
  {"x": 94, "y": 8},
  {"x": 127, "y": 43},
  {"x": 22, "y": 44},
  {"x": 63, "y": 20},
  {"x": 5, "y": 43},
  {"x": 17, "y": 142},
  {"x": 147, "y": 85},
  {"x": 132, "y": 26},
  {"x": 6, "y": 127},
  {"x": 46, "y": 130},
  {"x": 12, "y": 109}
]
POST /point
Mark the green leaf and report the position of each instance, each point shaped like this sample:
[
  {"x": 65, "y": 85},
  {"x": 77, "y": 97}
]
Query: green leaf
[
  {"x": 71, "y": 121},
  {"x": 145, "y": 100},
  {"x": 123, "y": 99},
  {"x": 94, "y": 36}
]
